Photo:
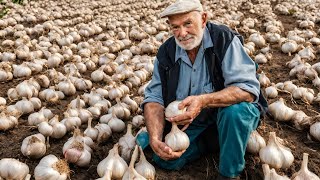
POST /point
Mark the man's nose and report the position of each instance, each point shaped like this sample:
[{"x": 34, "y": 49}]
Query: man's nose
[{"x": 183, "y": 32}]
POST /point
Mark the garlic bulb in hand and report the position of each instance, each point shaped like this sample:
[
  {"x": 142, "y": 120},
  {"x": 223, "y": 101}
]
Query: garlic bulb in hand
[
  {"x": 50, "y": 167},
  {"x": 131, "y": 173},
  {"x": 255, "y": 142},
  {"x": 34, "y": 146},
  {"x": 13, "y": 169},
  {"x": 275, "y": 154},
  {"x": 304, "y": 172},
  {"x": 173, "y": 110},
  {"x": 114, "y": 163},
  {"x": 144, "y": 168},
  {"x": 127, "y": 143},
  {"x": 176, "y": 139}
]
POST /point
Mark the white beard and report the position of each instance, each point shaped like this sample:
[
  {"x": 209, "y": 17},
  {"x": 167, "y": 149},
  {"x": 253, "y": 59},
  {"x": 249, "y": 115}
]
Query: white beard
[{"x": 194, "y": 43}]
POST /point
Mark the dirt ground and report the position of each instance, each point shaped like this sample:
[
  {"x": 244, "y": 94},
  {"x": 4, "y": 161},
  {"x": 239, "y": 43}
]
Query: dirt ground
[{"x": 207, "y": 166}]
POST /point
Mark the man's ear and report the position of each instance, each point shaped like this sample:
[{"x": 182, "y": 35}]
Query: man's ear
[{"x": 204, "y": 18}]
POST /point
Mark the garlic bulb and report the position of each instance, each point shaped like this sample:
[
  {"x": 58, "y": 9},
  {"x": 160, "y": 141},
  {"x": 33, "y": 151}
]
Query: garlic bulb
[
  {"x": 114, "y": 163},
  {"x": 275, "y": 154},
  {"x": 289, "y": 46},
  {"x": 280, "y": 111},
  {"x": 304, "y": 172},
  {"x": 315, "y": 130},
  {"x": 67, "y": 87},
  {"x": 272, "y": 174},
  {"x": 71, "y": 122},
  {"x": 255, "y": 142},
  {"x": 24, "y": 106},
  {"x": 144, "y": 168},
  {"x": 37, "y": 117},
  {"x": 131, "y": 173},
  {"x": 50, "y": 167},
  {"x": 301, "y": 120},
  {"x": 127, "y": 143},
  {"x": 264, "y": 80},
  {"x": 7, "y": 121},
  {"x": 90, "y": 131},
  {"x": 75, "y": 150},
  {"x": 138, "y": 121},
  {"x": 34, "y": 146},
  {"x": 257, "y": 39},
  {"x": 120, "y": 110},
  {"x": 271, "y": 91},
  {"x": 260, "y": 59},
  {"x": 104, "y": 132},
  {"x": 176, "y": 139},
  {"x": 173, "y": 110},
  {"x": 13, "y": 169},
  {"x": 59, "y": 129},
  {"x": 132, "y": 104}
]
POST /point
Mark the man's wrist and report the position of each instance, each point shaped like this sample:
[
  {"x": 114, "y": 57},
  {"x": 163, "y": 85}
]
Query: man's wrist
[{"x": 203, "y": 101}]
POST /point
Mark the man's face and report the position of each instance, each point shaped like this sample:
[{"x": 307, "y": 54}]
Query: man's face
[{"x": 188, "y": 28}]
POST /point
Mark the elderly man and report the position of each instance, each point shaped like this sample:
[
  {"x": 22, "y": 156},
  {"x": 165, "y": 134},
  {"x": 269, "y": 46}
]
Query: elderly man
[{"x": 206, "y": 67}]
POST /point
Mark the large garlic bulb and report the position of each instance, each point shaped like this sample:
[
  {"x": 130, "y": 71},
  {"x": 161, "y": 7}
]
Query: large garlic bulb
[
  {"x": 304, "y": 172},
  {"x": 275, "y": 154},
  {"x": 173, "y": 110},
  {"x": 144, "y": 168},
  {"x": 127, "y": 143},
  {"x": 13, "y": 169},
  {"x": 75, "y": 150},
  {"x": 59, "y": 129},
  {"x": 120, "y": 109},
  {"x": 116, "y": 124},
  {"x": 50, "y": 167},
  {"x": 34, "y": 146},
  {"x": 7, "y": 121},
  {"x": 280, "y": 111},
  {"x": 131, "y": 173},
  {"x": 271, "y": 91},
  {"x": 272, "y": 174},
  {"x": 255, "y": 142},
  {"x": 114, "y": 163},
  {"x": 176, "y": 139}
]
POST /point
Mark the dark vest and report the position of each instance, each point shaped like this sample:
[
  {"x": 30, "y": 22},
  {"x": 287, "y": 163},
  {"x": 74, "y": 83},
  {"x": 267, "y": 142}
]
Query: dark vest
[{"x": 169, "y": 69}]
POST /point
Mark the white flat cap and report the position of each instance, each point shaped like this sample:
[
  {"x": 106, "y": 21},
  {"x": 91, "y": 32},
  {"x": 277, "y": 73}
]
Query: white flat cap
[{"x": 182, "y": 6}]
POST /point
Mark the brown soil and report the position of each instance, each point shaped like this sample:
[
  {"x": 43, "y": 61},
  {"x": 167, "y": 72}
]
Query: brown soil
[{"x": 207, "y": 166}]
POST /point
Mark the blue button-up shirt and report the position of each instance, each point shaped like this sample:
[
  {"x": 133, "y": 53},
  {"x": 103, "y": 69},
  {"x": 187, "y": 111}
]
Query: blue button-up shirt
[{"x": 237, "y": 67}]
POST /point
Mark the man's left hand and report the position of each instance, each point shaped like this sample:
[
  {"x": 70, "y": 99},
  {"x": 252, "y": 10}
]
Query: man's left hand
[{"x": 194, "y": 106}]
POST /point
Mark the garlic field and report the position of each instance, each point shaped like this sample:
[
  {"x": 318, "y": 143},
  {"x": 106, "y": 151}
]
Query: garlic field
[{"x": 73, "y": 73}]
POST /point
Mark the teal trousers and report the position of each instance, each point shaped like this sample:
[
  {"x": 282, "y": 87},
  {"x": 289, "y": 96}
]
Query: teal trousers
[{"x": 234, "y": 125}]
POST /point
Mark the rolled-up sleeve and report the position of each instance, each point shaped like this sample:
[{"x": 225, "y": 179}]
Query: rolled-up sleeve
[
  {"x": 239, "y": 69},
  {"x": 153, "y": 92}
]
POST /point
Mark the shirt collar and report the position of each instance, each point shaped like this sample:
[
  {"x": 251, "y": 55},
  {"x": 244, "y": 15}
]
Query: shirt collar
[{"x": 206, "y": 43}]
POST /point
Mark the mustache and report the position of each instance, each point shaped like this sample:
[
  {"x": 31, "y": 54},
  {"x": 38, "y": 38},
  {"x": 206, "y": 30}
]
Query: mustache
[{"x": 185, "y": 38}]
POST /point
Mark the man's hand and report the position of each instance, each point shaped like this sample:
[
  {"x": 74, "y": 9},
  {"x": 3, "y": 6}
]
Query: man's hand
[
  {"x": 194, "y": 106},
  {"x": 163, "y": 150}
]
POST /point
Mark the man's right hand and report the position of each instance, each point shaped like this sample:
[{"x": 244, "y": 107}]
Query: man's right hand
[{"x": 163, "y": 150}]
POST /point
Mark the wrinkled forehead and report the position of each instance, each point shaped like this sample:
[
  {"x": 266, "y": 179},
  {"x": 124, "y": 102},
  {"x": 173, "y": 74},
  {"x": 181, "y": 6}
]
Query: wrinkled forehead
[{"x": 184, "y": 17}]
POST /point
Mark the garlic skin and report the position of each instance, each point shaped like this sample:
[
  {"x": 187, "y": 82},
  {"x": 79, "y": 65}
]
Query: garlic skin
[
  {"x": 255, "y": 142},
  {"x": 50, "y": 168},
  {"x": 272, "y": 174},
  {"x": 144, "y": 168},
  {"x": 176, "y": 139},
  {"x": 275, "y": 154},
  {"x": 116, "y": 125},
  {"x": 264, "y": 80},
  {"x": 13, "y": 169},
  {"x": 131, "y": 173},
  {"x": 301, "y": 120},
  {"x": 304, "y": 172},
  {"x": 315, "y": 130},
  {"x": 114, "y": 163},
  {"x": 280, "y": 111},
  {"x": 34, "y": 146},
  {"x": 173, "y": 110},
  {"x": 127, "y": 143}
]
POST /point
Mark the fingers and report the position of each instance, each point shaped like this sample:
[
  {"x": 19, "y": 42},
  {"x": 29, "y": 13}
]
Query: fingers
[
  {"x": 164, "y": 151},
  {"x": 185, "y": 127},
  {"x": 182, "y": 117},
  {"x": 185, "y": 103}
]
